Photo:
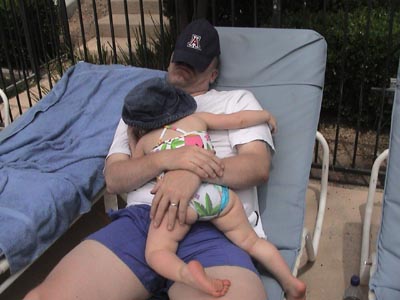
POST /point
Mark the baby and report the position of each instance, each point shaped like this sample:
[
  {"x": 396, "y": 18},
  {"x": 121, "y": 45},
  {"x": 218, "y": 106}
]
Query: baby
[{"x": 161, "y": 117}]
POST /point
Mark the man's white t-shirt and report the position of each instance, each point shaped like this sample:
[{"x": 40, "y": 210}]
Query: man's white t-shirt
[{"x": 224, "y": 142}]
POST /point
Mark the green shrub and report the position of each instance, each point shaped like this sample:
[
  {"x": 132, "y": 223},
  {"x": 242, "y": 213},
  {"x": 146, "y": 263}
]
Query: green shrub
[
  {"x": 357, "y": 61},
  {"x": 42, "y": 24}
]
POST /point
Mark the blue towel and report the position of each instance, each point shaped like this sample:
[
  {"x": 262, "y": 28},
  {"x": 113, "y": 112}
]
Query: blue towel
[{"x": 52, "y": 157}]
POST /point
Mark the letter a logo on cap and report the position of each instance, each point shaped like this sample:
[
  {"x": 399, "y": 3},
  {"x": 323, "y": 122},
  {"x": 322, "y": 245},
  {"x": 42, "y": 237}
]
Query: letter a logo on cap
[{"x": 195, "y": 42}]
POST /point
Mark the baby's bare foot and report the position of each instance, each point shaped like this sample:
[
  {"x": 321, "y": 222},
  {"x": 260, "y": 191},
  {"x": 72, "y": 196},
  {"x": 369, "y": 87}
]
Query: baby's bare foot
[
  {"x": 195, "y": 276},
  {"x": 297, "y": 291}
]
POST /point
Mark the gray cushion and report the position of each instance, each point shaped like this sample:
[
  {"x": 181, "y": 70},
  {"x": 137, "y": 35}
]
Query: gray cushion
[
  {"x": 285, "y": 70},
  {"x": 386, "y": 280}
]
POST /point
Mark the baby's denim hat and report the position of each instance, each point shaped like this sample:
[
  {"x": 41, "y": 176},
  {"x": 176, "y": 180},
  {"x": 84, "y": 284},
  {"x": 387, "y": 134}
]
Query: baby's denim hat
[
  {"x": 197, "y": 45},
  {"x": 155, "y": 103}
]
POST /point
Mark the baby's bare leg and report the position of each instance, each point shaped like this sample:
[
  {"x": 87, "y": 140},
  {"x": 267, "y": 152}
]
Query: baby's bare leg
[
  {"x": 234, "y": 224},
  {"x": 161, "y": 247}
]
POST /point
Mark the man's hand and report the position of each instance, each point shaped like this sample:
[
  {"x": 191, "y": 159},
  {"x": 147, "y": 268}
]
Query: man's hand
[
  {"x": 172, "y": 194},
  {"x": 202, "y": 162}
]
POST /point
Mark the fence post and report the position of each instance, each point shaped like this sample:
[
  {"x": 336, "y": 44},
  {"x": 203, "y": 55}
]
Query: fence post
[
  {"x": 31, "y": 49},
  {"x": 65, "y": 26},
  {"x": 276, "y": 13}
]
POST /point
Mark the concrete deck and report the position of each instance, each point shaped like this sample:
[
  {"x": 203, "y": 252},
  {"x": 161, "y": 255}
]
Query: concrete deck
[{"x": 338, "y": 256}]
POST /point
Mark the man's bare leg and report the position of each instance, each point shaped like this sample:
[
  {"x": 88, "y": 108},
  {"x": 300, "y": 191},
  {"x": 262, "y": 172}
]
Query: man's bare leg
[
  {"x": 90, "y": 271},
  {"x": 245, "y": 284}
]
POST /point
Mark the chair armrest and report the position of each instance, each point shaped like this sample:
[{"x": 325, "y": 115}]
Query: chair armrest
[
  {"x": 4, "y": 266},
  {"x": 324, "y": 191},
  {"x": 310, "y": 242},
  {"x": 6, "y": 109},
  {"x": 110, "y": 202},
  {"x": 364, "y": 258}
]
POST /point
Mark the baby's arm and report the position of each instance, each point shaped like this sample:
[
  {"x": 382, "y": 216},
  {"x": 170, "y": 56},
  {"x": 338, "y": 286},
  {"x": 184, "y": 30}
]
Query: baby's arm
[
  {"x": 237, "y": 120},
  {"x": 135, "y": 146}
]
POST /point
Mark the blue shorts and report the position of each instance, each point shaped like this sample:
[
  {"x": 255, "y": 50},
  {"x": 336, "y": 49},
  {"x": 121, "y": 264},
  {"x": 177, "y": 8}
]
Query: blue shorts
[{"x": 126, "y": 237}]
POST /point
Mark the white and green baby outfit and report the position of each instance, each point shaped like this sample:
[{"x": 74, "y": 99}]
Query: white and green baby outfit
[{"x": 210, "y": 199}]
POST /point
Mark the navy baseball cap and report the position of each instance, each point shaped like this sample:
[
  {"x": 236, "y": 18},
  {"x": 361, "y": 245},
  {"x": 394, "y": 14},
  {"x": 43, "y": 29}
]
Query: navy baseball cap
[{"x": 197, "y": 45}]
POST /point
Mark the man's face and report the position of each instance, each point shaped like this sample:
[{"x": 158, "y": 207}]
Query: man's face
[
  {"x": 180, "y": 74},
  {"x": 188, "y": 79}
]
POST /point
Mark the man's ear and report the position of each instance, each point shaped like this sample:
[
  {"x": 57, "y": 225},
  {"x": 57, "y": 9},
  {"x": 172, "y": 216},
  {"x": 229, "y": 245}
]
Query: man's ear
[{"x": 214, "y": 76}]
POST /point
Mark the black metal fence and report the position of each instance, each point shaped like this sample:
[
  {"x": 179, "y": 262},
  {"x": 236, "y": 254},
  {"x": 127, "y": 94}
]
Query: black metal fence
[{"x": 40, "y": 39}]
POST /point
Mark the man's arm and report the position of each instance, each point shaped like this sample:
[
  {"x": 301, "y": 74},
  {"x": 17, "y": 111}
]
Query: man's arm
[
  {"x": 124, "y": 173},
  {"x": 238, "y": 120},
  {"x": 250, "y": 167}
]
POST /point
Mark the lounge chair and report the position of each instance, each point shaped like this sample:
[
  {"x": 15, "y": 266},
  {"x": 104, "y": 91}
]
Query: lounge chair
[
  {"x": 284, "y": 68},
  {"x": 52, "y": 157},
  {"x": 381, "y": 269}
]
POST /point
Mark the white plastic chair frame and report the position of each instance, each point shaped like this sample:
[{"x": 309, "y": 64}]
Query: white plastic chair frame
[
  {"x": 6, "y": 109},
  {"x": 311, "y": 241},
  {"x": 367, "y": 262}
]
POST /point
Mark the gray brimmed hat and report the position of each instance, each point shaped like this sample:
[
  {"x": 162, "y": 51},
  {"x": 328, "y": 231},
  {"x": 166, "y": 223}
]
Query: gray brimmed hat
[
  {"x": 155, "y": 103},
  {"x": 197, "y": 45}
]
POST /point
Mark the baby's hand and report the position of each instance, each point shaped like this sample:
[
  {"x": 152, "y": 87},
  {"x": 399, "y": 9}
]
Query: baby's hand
[{"x": 272, "y": 124}]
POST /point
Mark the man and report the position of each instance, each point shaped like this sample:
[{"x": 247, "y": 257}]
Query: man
[{"x": 110, "y": 264}]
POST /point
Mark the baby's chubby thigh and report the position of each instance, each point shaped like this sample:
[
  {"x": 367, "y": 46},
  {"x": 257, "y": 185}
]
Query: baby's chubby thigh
[{"x": 211, "y": 201}]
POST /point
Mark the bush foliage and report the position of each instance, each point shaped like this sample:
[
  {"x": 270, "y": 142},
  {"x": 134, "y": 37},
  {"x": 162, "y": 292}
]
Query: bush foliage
[
  {"x": 362, "y": 52},
  {"x": 41, "y": 29},
  {"x": 361, "y": 55},
  {"x": 363, "y": 40}
]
